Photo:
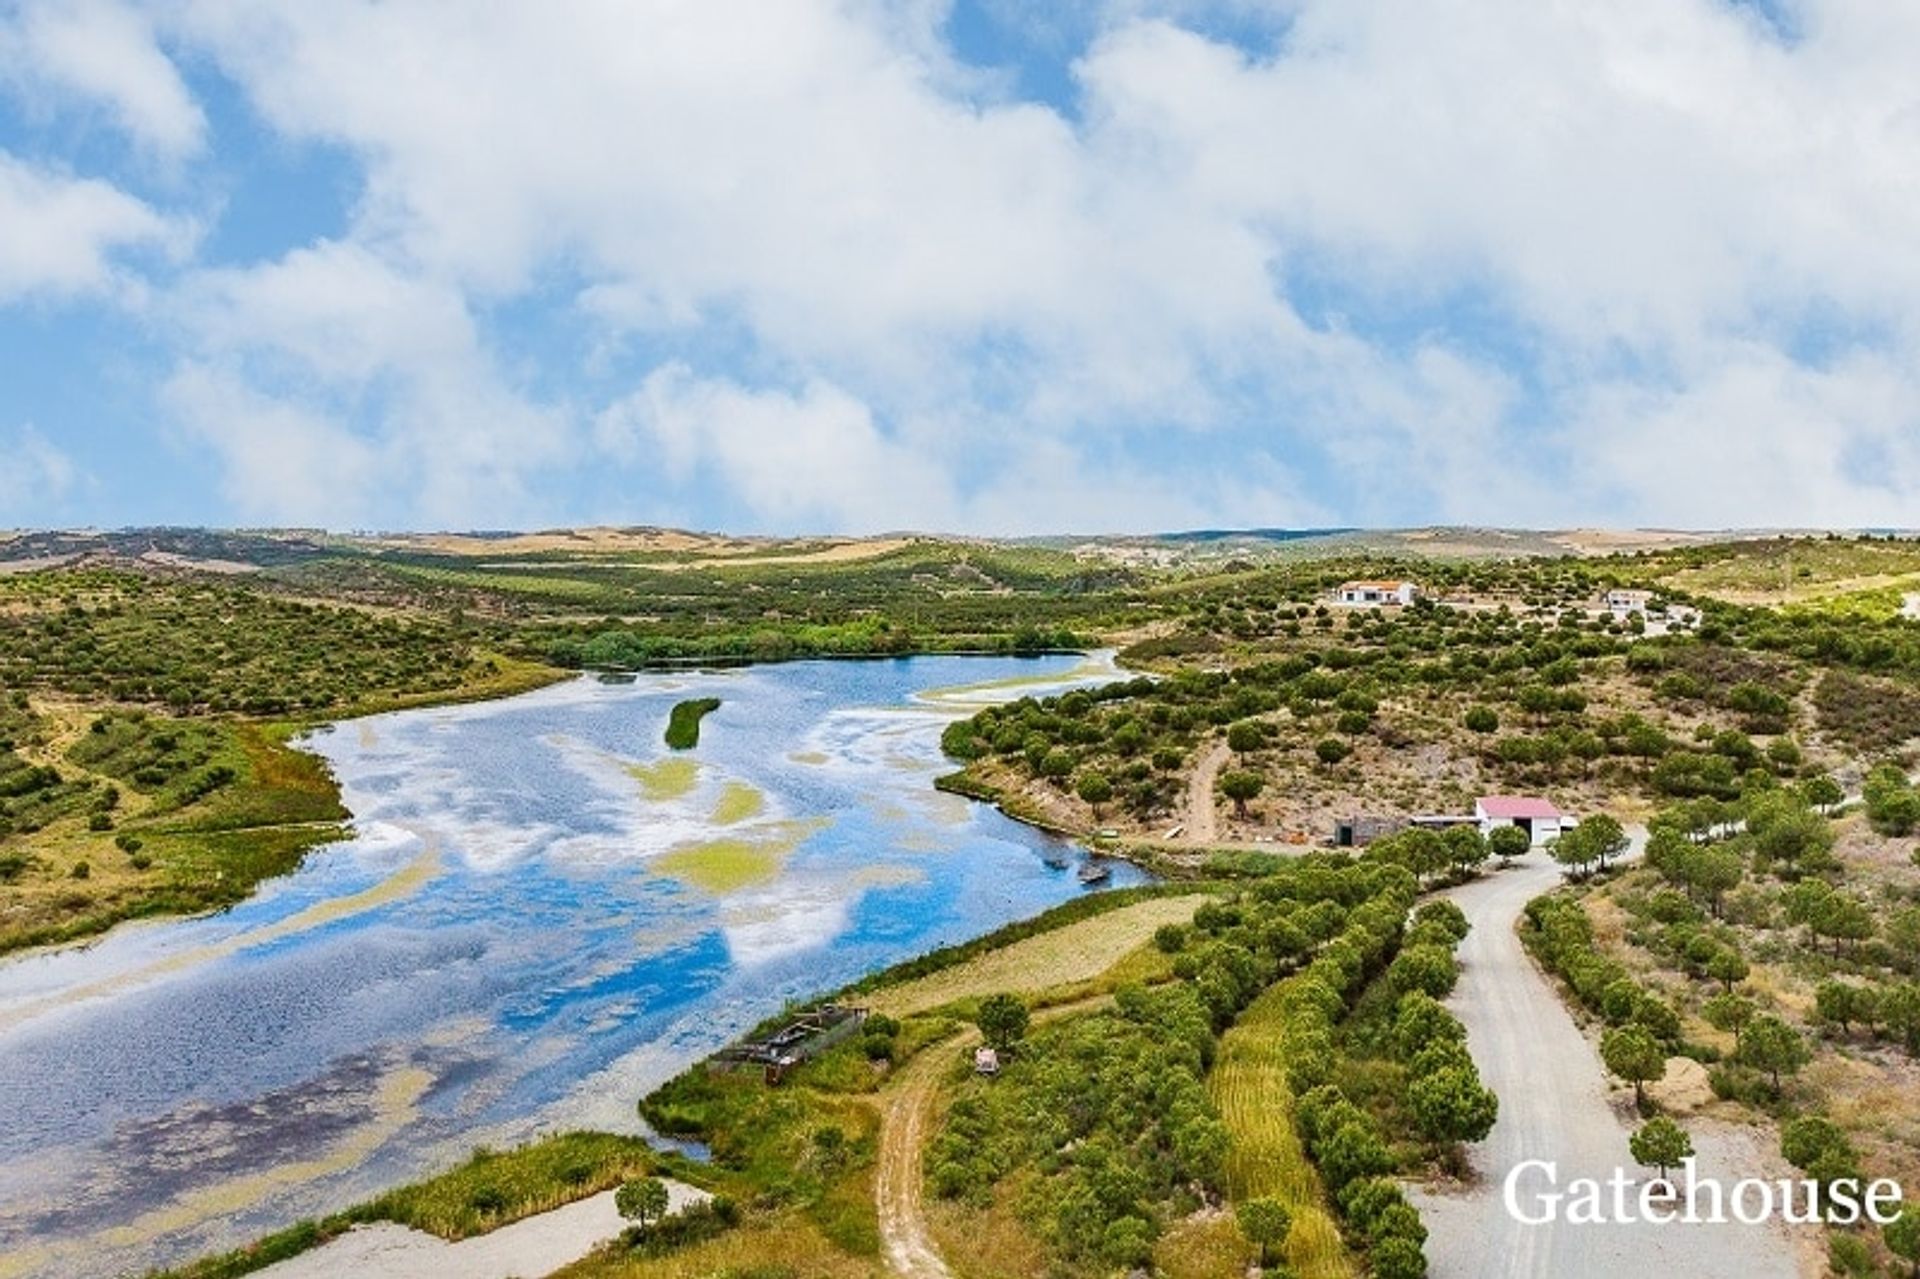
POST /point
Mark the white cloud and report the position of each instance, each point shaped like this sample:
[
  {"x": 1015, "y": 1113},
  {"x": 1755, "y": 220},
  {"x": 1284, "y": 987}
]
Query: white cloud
[
  {"x": 105, "y": 51},
  {"x": 281, "y": 463},
  {"x": 35, "y": 475},
  {"x": 814, "y": 459},
  {"x": 349, "y": 351},
  {"x": 940, "y": 305},
  {"x": 58, "y": 234}
]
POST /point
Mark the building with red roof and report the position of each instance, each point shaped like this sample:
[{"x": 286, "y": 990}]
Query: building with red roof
[{"x": 1538, "y": 817}]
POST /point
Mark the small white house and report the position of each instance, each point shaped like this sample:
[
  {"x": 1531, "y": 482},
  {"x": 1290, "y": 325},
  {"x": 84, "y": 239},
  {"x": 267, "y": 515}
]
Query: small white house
[
  {"x": 1624, "y": 603},
  {"x": 1539, "y": 818},
  {"x": 986, "y": 1061},
  {"x": 1375, "y": 594}
]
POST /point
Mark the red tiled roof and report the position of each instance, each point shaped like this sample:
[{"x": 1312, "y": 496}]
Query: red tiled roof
[{"x": 1511, "y": 806}]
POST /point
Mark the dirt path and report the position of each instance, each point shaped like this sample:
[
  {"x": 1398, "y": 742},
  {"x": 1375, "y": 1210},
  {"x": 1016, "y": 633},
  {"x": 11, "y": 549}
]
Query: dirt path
[
  {"x": 905, "y": 1125},
  {"x": 538, "y": 1245},
  {"x": 1556, "y": 1103},
  {"x": 1203, "y": 826}
]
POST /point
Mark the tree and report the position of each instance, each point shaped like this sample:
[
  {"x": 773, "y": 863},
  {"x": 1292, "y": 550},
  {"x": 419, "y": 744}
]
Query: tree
[
  {"x": 1509, "y": 842},
  {"x": 1727, "y": 967},
  {"x": 1095, "y": 789},
  {"x": 1398, "y": 1257},
  {"x": 1632, "y": 1053},
  {"x": 1425, "y": 967},
  {"x": 1712, "y": 872},
  {"x": 643, "y": 1201},
  {"x": 1241, "y": 785},
  {"x": 1002, "y": 1020},
  {"x": 1900, "y": 1010},
  {"x": 1730, "y": 1013},
  {"x": 1466, "y": 847},
  {"x": 1607, "y": 837},
  {"x": 1822, "y": 792},
  {"x": 1331, "y": 750},
  {"x": 1575, "y": 850},
  {"x": 1245, "y": 736},
  {"x": 1265, "y": 1222},
  {"x": 1660, "y": 1144},
  {"x": 1481, "y": 719},
  {"x": 1903, "y": 1236},
  {"x": 1451, "y": 1105},
  {"x": 1837, "y": 1004},
  {"x": 1772, "y": 1046},
  {"x": 1808, "y": 1139}
]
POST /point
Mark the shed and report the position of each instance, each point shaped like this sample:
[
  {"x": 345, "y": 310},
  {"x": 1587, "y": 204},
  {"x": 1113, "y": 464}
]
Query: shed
[
  {"x": 1538, "y": 817},
  {"x": 986, "y": 1061}
]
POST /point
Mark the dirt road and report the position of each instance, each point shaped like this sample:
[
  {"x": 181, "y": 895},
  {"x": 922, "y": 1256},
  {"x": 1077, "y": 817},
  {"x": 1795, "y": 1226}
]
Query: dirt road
[
  {"x": 1556, "y": 1104},
  {"x": 1202, "y": 824},
  {"x": 905, "y": 1126}
]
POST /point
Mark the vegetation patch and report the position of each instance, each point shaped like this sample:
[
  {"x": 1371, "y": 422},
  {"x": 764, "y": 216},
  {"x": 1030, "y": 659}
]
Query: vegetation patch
[
  {"x": 666, "y": 780},
  {"x": 738, "y": 802},
  {"x": 683, "y": 723},
  {"x": 721, "y": 866}
]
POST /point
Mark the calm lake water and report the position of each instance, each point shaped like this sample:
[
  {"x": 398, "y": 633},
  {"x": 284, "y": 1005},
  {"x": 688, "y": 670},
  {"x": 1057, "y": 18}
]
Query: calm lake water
[{"x": 536, "y": 921}]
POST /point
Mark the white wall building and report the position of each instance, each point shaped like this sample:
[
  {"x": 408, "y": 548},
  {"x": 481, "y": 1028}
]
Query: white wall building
[
  {"x": 1624, "y": 603},
  {"x": 1539, "y": 818},
  {"x": 1374, "y": 594}
]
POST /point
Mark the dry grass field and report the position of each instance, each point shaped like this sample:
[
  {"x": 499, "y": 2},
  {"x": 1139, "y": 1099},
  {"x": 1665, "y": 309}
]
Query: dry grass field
[{"x": 1078, "y": 952}]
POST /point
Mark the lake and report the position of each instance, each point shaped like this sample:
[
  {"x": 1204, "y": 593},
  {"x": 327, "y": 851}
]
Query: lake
[{"x": 542, "y": 914}]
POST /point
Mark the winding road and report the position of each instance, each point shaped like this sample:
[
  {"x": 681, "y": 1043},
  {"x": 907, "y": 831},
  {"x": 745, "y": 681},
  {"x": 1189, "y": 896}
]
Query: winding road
[{"x": 1556, "y": 1103}]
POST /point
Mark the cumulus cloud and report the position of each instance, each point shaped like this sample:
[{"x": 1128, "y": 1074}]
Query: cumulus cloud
[
  {"x": 106, "y": 52},
  {"x": 380, "y": 378},
  {"x": 1409, "y": 262},
  {"x": 59, "y": 234},
  {"x": 34, "y": 474},
  {"x": 282, "y": 463}
]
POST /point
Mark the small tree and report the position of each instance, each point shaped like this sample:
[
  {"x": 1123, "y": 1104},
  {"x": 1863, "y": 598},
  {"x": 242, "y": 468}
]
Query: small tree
[
  {"x": 643, "y": 1201},
  {"x": 1241, "y": 785},
  {"x": 1466, "y": 848},
  {"x": 1727, "y": 967},
  {"x": 1772, "y": 1046},
  {"x": 1265, "y": 1222},
  {"x": 1451, "y": 1105},
  {"x": 1331, "y": 750},
  {"x": 1481, "y": 719},
  {"x": 1245, "y": 736},
  {"x": 1002, "y": 1020},
  {"x": 1636, "y": 1056},
  {"x": 1606, "y": 837},
  {"x": 1903, "y": 1237},
  {"x": 1730, "y": 1013},
  {"x": 1660, "y": 1144},
  {"x": 1576, "y": 851},
  {"x": 1509, "y": 842},
  {"x": 1823, "y": 793},
  {"x": 1095, "y": 789}
]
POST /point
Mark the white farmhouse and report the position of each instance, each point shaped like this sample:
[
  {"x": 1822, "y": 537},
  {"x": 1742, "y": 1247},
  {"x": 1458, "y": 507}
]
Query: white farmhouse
[
  {"x": 1374, "y": 594},
  {"x": 1539, "y": 818},
  {"x": 1625, "y": 603}
]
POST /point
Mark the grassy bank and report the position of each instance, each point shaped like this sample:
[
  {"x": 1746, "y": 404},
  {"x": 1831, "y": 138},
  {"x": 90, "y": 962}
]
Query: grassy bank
[{"x": 486, "y": 1192}]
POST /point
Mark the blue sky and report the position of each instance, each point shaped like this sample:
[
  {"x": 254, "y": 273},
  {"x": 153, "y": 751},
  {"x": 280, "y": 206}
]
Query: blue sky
[{"x": 891, "y": 264}]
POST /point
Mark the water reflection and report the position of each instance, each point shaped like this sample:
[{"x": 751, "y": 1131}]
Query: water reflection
[{"x": 534, "y": 923}]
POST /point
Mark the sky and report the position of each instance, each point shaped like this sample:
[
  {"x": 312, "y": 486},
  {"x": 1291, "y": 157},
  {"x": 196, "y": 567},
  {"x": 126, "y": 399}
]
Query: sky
[{"x": 983, "y": 266}]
